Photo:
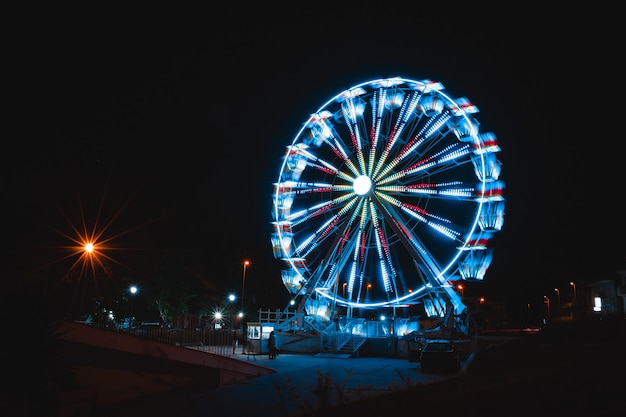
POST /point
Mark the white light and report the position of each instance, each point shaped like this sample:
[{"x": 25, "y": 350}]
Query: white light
[
  {"x": 362, "y": 185},
  {"x": 597, "y": 304}
]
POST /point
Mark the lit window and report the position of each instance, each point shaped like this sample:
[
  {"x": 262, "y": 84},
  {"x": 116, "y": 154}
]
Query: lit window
[{"x": 597, "y": 304}]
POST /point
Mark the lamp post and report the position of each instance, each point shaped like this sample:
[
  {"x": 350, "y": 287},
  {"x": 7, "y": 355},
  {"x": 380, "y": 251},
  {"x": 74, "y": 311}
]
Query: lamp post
[
  {"x": 462, "y": 289},
  {"x": 231, "y": 315},
  {"x": 546, "y": 300},
  {"x": 558, "y": 301},
  {"x": 89, "y": 252},
  {"x": 243, "y": 284},
  {"x": 133, "y": 291},
  {"x": 575, "y": 302}
]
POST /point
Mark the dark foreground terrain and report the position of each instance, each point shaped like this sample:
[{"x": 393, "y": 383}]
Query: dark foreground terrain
[
  {"x": 569, "y": 369},
  {"x": 574, "y": 368}
]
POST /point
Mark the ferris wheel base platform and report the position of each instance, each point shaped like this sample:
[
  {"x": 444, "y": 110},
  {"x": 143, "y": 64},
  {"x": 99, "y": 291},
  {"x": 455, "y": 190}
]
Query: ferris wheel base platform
[{"x": 333, "y": 355}]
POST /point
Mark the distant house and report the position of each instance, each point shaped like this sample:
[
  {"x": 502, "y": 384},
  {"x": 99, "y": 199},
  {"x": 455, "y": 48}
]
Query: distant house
[{"x": 604, "y": 297}]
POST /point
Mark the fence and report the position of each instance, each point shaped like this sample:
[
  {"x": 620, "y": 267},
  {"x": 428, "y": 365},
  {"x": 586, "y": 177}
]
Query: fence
[{"x": 213, "y": 341}]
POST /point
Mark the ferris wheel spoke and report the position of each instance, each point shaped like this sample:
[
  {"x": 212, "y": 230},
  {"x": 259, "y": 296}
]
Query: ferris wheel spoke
[
  {"x": 385, "y": 265},
  {"x": 403, "y": 228},
  {"x": 382, "y": 103},
  {"x": 345, "y": 253},
  {"x": 449, "y": 191},
  {"x": 309, "y": 213},
  {"x": 323, "y": 132},
  {"x": 444, "y": 158},
  {"x": 387, "y": 269},
  {"x": 418, "y": 214},
  {"x": 407, "y": 112},
  {"x": 327, "y": 229},
  {"x": 313, "y": 161},
  {"x": 425, "y": 136},
  {"x": 352, "y": 111}
]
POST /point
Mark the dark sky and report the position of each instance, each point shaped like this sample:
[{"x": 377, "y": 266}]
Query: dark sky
[{"x": 181, "y": 134}]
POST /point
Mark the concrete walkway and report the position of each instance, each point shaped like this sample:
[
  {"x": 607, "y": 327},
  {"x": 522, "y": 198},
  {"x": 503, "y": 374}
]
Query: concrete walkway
[{"x": 301, "y": 385}]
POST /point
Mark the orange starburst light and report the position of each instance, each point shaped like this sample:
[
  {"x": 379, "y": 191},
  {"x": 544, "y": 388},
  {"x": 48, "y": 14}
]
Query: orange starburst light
[{"x": 89, "y": 246}]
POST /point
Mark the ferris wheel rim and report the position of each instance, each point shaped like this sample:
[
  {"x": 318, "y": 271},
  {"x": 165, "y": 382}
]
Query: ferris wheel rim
[{"x": 440, "y": 274}]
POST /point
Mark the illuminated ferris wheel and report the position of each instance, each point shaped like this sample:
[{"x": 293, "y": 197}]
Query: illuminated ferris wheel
[{"x": 387, "y": 195}]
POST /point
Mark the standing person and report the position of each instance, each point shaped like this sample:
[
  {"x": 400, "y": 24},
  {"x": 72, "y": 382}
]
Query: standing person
[
  {"x": 234, "y": 340},
  {"x": 244, "y": 336},
  {"x": 271, "y": 346}
]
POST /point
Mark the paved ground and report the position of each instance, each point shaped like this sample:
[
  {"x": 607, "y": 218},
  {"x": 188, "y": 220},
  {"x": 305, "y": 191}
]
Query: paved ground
[
  {"x": 565, "y": 370},
  {"x": 301, "y": 385}
]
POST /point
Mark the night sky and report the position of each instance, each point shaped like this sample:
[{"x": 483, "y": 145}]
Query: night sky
[{"x": 179, "y": 136}]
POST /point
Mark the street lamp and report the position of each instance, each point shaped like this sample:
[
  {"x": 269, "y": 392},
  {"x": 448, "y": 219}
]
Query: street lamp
[
  {"x": 133, "y": 290},
  {"x": 558, "y": 301},
  {"x": 546, "y": 300},
  {"x": 89, "y": 249},
  {"x": 231, "y": 299},
  {"x": 243, "y": 285},
  {"x": 575, "y": 303},
  {"x": 462, "y": 289}
]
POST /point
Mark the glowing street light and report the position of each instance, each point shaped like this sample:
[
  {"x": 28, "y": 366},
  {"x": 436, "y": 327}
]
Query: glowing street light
[
  {"x": 89, "y": 245},
  {"x": 88, "y": 258},
  {"x": 218, "y": 319},
  {"x": 89, "y": 248},
  {"x": 231, "y": 299},
  {"x": 558, "y": 301},
  {"x": 243, "y": 284},
  {"x": 461, "y": 288},
  {"x": 133, "y": 290},
  {"x": 575, "y": 303}
]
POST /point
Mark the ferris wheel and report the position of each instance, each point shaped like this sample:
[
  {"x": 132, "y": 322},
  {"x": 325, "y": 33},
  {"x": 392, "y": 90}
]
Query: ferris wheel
[{"x": 386, "y": 196}]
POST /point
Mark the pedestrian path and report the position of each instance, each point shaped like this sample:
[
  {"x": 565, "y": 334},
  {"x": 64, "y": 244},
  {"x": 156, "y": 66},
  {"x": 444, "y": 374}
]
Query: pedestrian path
[{"x": 301, "y": 385}]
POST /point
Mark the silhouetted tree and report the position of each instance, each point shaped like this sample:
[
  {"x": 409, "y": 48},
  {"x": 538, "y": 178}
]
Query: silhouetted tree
[{"x": 173, "y": 288}]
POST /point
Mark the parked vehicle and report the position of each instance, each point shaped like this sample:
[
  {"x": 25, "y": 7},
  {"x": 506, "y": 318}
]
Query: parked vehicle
[{"x": 439, "y": 356}]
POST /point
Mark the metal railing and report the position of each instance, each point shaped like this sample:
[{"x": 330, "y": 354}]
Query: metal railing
[{"x": 218, "y": 341}]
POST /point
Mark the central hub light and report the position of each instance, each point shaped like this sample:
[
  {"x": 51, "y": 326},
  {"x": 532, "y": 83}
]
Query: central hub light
[{"x": 362, "y": 185}]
